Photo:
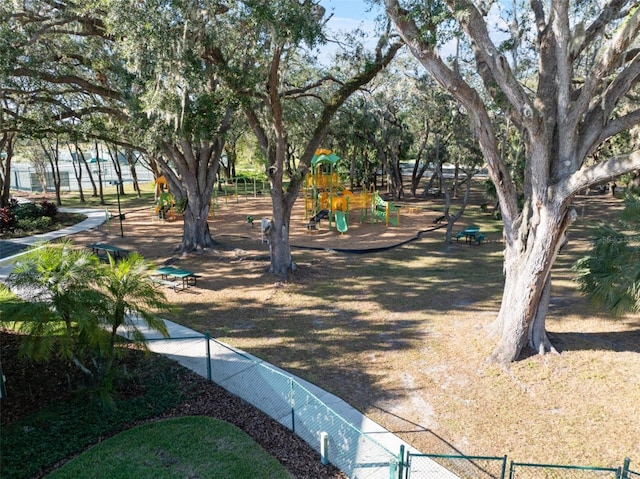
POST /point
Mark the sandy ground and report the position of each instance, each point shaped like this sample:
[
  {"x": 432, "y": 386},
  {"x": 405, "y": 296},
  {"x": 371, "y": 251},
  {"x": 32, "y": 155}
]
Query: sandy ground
[{"x": 157, "y": 239}]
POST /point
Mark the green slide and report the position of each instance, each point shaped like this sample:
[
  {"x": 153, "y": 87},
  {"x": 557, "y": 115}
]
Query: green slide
[{"x": 341, "y": 221}]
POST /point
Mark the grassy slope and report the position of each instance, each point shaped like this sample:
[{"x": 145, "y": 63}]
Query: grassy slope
[{"x": 176, "y": 448}]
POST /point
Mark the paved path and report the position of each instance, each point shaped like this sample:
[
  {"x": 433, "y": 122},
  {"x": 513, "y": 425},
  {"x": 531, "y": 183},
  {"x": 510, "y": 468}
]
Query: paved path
[
  {"x": 246, "y": 376},
  {"x": 12, "y": 249}
]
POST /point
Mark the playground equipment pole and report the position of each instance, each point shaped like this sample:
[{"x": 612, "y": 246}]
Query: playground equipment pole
[{"x": 118, "y": 183}]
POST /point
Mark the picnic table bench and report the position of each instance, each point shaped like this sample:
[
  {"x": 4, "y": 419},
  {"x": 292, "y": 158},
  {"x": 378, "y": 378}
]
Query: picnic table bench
[
  {"x": 469, "y": 234},
  {"x": 166, "y": 282},
  {"x": 102, "y": 250},
  {"x": 188, "y": 278}
]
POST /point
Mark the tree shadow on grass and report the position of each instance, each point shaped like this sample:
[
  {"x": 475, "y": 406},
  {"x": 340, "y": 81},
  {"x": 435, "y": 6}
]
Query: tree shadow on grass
[
  {"x": 618, "y": 341},
  {"x": 410, "y": 429}
]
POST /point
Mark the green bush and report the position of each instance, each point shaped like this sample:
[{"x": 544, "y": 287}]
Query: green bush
[
  {"x": 67, "y": 427},
  {"x": 25, "y": 211},
  {"x": 33, "y": 224}
]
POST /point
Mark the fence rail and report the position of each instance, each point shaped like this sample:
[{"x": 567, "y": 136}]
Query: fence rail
[
  {"x": 482, "y": 467},
  {"x": 553, "y": 471}
]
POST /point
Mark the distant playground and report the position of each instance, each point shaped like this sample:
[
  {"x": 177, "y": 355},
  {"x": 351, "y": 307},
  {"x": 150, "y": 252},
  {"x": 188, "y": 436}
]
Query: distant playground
[{"x": 324, "y": 197}]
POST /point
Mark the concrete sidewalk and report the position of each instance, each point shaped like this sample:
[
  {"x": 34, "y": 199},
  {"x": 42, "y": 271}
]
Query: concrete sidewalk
[
  {"x": 297, "y": 405},
  {"x": 12, "y": 249}
]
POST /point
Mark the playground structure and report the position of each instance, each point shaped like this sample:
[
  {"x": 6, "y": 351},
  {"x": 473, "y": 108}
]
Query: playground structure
[
  {"x": 167, "y": 208},
  {"x": 165, "y": 203},
  {"x": 326, "y": 197}
]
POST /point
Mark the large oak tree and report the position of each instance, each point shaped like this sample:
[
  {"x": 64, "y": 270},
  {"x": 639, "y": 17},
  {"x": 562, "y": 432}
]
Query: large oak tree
[{"x": 574, "y": 99}]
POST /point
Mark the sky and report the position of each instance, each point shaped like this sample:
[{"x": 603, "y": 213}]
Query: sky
[{"x": 349, "y": 13}]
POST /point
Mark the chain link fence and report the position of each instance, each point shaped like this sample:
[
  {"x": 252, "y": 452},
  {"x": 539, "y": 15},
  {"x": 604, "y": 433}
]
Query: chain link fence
[
  {"x": 420, "y": 466},
  {"x": 548, "y": 471},
  {"x": 417, "y": 466},
  {"x": 284, "y": 398}
]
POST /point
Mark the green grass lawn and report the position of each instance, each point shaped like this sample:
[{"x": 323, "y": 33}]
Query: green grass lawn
[{"x": 175, "y": 448}]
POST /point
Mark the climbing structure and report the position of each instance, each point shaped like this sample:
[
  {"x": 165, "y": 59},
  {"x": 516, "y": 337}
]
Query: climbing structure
[{"x": 326, "y": 197}]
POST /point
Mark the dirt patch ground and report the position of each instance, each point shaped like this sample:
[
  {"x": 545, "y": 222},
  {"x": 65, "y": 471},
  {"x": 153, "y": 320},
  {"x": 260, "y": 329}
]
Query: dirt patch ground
[{"x": 401, "y": 334}]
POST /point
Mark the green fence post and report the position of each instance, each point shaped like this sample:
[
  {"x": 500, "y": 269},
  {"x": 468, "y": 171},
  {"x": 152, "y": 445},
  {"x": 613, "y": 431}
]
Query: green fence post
[
  {"x": 504, "y": 467},
  {"x": 324, "y": 448},
  {"x": 401, "y": 462},
  {"x": 207, "y": 336},
  {"x": 393, "y": 468},
  {"x": 625, "y": 468},
  {"x": 293, "y": 416}
]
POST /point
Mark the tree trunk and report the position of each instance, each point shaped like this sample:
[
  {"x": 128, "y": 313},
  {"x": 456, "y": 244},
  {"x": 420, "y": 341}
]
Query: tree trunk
[
  {"x": 131, "y": 161},
  {"x": 195, "y": 233},
  {"x": 100, "y": 186},
  {"x": 397, "y": 187},
  {"x": 279, "y": 246},
  {"x": 88, "y": 168},
  {"x": 6, "y": 147},
  {"x": 527, "y": 291},
  {"x": 53, "y": 155},
  {"x": 451, "y": 219},
  {"x": 116, "y": 167},
  {"x": 77, "y": 169}
]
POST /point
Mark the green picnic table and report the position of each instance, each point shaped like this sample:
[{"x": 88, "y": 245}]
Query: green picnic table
[
  {"x": 103, "y": 249},
  {"x": 188, "y": 278},
  {"x": 469, "y": 234}
]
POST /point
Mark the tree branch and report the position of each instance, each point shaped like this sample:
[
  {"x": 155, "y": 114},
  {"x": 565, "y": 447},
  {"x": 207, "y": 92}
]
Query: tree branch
[
  {"x": 304, "y": 89},
  {"x": 497, "y": 68},
  {"x": 594, "y": 32},
  {"x": 622, "y": 84},
  {"x": 608, "y": 60},
  {"x": 597, "y": 173},
  {"x": 594, "y": 136},
  {"x": 68, "y": 79}
]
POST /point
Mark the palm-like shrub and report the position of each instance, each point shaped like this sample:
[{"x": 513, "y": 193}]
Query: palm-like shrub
[
  {"x": 76, "y": 305},
  {"x": 610, "y": 275},
  {"x": 59, "y": 312},
  {"x": 128, "y": 295}
]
